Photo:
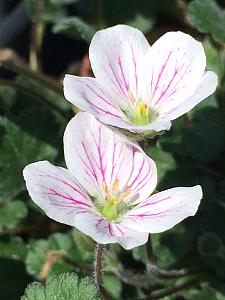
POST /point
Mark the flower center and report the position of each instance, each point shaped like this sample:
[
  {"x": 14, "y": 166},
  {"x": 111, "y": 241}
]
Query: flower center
[
  {"x": 140, "y": 112},
  {"x": 113, "y": 204}
]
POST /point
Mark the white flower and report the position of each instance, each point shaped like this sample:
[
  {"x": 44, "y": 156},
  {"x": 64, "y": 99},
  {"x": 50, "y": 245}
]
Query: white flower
[
  {"x": 138, "y": 88},
  {"x": 105, "y": 192}
]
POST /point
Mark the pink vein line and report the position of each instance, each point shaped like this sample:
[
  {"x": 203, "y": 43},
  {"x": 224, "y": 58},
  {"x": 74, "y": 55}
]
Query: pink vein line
[
  {"x": 135, "y": 69},
  {"x": 66, "y": 183},
  {"x": 123, "y": 75},
  {"x": 74, "y": 201},
  {"x": 140, "y": 169},
  {"x": 161, "y": 73},
  {"x": 89, "y": 160}
]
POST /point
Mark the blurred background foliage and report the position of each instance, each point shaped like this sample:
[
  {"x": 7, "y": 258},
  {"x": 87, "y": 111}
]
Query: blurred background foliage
[{"x": 40, "y": 41}]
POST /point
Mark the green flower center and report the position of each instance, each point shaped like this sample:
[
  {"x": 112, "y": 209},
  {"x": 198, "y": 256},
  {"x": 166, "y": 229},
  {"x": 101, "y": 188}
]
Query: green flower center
[
  {"x": 113, "y": 206},
  {"x": 140, "y": 113},
  {"x": 110, "y": 208}
]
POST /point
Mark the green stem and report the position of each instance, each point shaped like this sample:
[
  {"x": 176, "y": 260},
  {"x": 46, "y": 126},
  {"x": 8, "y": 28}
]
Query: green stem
[
  {"x": 149, "y": 251},
  {"x": 99, "y": 261},
  {"x": 98, "y": 271},
  {"x": 36, "y": 96},
  {"x": 172, "y": 290},
  {"x": 37, "y": 36}
]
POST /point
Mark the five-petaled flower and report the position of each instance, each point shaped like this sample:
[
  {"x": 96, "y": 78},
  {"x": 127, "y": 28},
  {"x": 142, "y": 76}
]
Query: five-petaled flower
[
  {"x": 105, "y": 192},
  {"x": 141, "y": 88}
]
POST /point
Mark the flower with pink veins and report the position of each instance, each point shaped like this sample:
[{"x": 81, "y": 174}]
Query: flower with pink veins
[
  {"x": 105, "y": 192},
  {"x": 141, "y": 88}
]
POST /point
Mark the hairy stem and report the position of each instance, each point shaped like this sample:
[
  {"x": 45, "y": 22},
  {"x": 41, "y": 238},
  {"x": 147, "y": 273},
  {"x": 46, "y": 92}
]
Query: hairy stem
[
  {"x": 99, "y": 261},
  {"x": 149, "y": 251},
  {"x": 98, "y": 271}
]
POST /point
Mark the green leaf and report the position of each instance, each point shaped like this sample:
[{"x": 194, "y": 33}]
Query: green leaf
[
  {"x": 214, "y": 58},
  {"x": 113, "y": 285},
  {"x": 208, "y": 17},
  {"x": 64, "y": 287},
  {"x": 141, "y": 22},
  {"x": 84, "y": 243},
  {"x": 7, "y": 96},
  {"x": 52, "y": 9},
  {"x": 165, "y": 161},
  {"x": 164, "y": 254},
  {"x": 139, "y": 253},
  {"x": 73, "y": 27},
  {"x": 41, "y": 250},
  {"x": 62, "y": 2},
  {"x": 11, "y": 212},
  {"x": 17, "y": 149},
  {"x": 206, "y": 293},
  {"x": 14, "y": 249},
  {"x": 117, "y": 12},
  {"x": 172, "y": 245},
  {"x": 204, "y": 141}
]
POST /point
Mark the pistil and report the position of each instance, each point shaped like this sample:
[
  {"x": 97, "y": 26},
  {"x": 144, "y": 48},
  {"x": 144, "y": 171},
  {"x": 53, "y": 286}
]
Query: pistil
[
  {"x": 113, "y": 200},
  {"x": 141, "y": 114}
]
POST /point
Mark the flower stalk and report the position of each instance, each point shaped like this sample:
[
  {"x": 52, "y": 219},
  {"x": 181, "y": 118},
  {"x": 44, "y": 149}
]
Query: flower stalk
[
  {"x": 37, "y": 35},
  {"x": 98, "y": 265}
]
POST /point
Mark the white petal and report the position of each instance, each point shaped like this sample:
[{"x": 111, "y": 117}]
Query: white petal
[
  {"x": 57, "y": 192},
  {"x": 88, "y": 95},
  {"x": 172, "y": 70},
  {"x": 115, "y": 55},
  {"x": 158, "y": 125},
  {"x": 206, "y": 88},
  {"x": 95, "y": 154},
  {"x": 163, "y": 210},
  {"x": 104, "y": 232}
]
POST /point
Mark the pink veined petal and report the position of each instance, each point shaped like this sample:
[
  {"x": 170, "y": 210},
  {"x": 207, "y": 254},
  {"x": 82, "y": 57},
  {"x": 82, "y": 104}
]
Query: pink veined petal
[
  {"x": 172, "y": 70},
  {"x": 163, "y": 210},
  {"x": 57, "y": 192},
  {"x": 88, "y": 95},
  {"x": 206, "y": 88},
  {"x": 104, "y": 232},
  {"x": 115, "y": 55},
  {"x": 100, "y": 155},
  {"x": 143, "y": 176}
]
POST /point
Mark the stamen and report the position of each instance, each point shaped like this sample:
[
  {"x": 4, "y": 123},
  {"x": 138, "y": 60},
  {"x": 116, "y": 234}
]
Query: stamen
[
  {"x": 131, "y": 96},
  {"x": 105, "y": 187},
  {"x": 123, "y": 195},
  {"x": 141, "y": 113},
  {"x": 115, "y": 185}
]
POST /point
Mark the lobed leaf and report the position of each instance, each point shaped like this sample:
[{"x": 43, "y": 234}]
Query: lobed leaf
[
  {"x": 207, "y": 17},
  {"x": 17, "y": 149},
  {"x": 11, "y": 212},
  {"x": 64, "y": 287}
]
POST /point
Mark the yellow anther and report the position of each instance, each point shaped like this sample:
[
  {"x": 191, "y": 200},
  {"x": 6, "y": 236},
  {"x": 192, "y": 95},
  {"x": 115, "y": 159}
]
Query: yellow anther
[
  {"x": 145, "y": 110},
  {"x": 105, "y": 187},
  {"x": 138, "y": 110},
  {"x": 115, "y": 185},
  {"x": 141, "y": 113},
  {"x": 142, "y": 109}
]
